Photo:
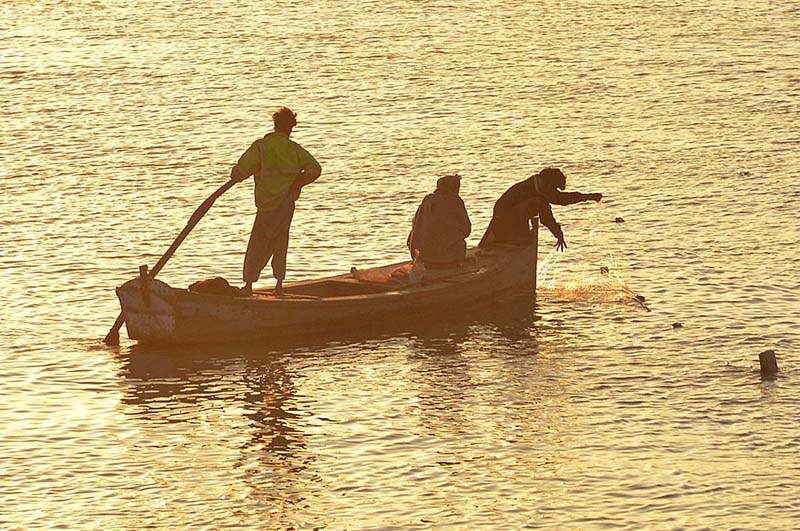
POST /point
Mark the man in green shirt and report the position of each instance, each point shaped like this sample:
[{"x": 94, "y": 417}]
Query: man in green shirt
[{"x": 281, "y": 168}]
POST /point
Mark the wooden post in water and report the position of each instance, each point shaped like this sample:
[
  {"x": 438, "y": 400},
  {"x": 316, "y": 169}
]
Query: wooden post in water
[{"x": 769, "y": 364}]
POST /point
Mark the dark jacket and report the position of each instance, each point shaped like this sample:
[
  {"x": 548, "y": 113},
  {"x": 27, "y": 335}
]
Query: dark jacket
[
  {"x": 519, "y": 205},
  {"x": 441, "y": 226}
]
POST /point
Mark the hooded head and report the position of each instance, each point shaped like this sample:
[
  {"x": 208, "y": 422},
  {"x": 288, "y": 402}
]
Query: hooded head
[
  {"x": 552, "y": 178},
  {"x": 449, "y": 184}
]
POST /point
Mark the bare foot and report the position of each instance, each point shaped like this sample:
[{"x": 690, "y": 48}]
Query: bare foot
[{"x": 247, "y": 289}]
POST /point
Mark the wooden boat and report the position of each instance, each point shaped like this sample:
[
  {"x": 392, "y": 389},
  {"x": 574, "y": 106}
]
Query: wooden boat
[{"x": 157, "y": 313}]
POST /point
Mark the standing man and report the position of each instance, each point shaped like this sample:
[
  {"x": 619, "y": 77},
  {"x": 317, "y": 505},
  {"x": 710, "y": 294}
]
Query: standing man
[{"x": 281, "y": 168}]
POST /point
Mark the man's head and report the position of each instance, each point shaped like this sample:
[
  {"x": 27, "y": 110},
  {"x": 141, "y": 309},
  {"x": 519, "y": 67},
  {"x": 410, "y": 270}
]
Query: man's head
[
  {"x": 550, "y": 178},
  {"x": 284, "y": 119}
]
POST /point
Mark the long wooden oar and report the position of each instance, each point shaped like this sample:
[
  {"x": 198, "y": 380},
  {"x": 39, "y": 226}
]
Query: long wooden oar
[{"x": 112, "y": 338}]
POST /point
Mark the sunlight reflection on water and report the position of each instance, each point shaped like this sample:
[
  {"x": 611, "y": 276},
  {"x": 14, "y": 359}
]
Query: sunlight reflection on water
[{"x": 585, "y": 412}]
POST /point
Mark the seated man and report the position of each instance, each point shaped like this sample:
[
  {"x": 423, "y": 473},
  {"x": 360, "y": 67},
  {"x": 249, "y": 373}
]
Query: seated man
[
  {"x": 521, "y": 203},
  {"x": 441, "y": 226}
]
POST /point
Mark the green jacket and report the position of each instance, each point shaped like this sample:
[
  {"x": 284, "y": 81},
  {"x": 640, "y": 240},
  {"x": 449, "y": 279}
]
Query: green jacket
[{"x": 276, "y": 161}]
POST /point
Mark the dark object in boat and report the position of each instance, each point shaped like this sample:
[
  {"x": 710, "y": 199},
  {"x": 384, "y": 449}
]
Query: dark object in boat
[
  {"x": 677, "y": 325},
  {"x": 619, "y": 220},
  {"x": 216, "y": 286}
]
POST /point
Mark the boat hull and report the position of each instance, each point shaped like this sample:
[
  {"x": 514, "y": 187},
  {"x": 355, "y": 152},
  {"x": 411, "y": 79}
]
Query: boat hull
[{"x": 157, "y": 313}]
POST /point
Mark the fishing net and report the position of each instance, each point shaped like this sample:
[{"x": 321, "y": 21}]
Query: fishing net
[{"x": 589, "y": 274}]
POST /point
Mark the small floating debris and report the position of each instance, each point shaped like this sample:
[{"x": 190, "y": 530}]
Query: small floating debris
[
  {"x": 769, "y": 364},
  {"x": 677, "y": 325},
  {"x": 603, "y": 270},
  {"x": 619, "y": 220},
  {"x": 744, "y": 173}
]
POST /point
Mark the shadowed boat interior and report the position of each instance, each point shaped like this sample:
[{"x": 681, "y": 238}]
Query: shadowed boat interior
[{"x": 338, "y": 288}]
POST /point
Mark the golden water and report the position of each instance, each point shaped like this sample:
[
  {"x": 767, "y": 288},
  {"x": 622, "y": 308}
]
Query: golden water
[{"x": 119, "y": 118}]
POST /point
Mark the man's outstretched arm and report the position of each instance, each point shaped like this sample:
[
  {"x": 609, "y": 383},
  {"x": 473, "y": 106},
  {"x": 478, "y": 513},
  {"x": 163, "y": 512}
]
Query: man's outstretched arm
[
  {"x": 247, "y": 164},
  {"x": 557, "y": 197},
  {"x": 238, "y": 175},
  {"x": 549, "y": 221}
]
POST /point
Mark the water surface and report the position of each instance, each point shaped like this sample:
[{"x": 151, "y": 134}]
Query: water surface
[{"x": 585, "y": 412}]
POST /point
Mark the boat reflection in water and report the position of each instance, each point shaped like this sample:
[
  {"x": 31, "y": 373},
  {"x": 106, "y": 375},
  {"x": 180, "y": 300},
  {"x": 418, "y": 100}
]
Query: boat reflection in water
[
  {"x": 285, "y": 428},
  {"x": 232, "y": 407}
]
